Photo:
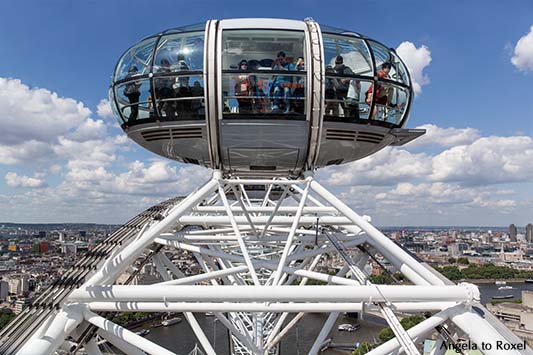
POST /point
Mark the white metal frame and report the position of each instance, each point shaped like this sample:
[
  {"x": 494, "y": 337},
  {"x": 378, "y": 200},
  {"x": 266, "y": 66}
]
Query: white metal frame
[{"x": 257, "y": 257}]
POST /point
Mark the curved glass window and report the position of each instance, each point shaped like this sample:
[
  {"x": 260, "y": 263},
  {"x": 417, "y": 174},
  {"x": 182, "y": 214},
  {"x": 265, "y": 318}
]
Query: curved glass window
[
  {"x": 134, "y": 100},
  {"x": 384, "y": 55},
  {"x": 264, "y": 73},
  {"x": 390, "y": 102},
  {"x": 345, "y": 98},
  {"x": 113, "y": 105},
  {"x": 179, "y": 97},
  {"x": 354, "y": 53},
  {"x": 200, "y": 26},
  {"x": 137, "y": 59},
  {"x": 335, "y": 30},
  {"x": 180, "y": 52}
]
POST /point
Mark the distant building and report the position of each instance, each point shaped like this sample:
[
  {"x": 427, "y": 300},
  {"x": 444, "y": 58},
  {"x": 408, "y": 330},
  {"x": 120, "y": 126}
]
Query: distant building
[
  {"x": 517, "y": 317},
  {"x": 19, "y": 284},
  {"x": 44, "y": 247},
  {"x": 25, "y": 247},
  {"x": 529, "y": 233},
  {"x": 12, "y": 247},
  {"x": 4, "y": 290},
  {"x": 21, "y": 304},
  {"x": 512, "y": 232},
  {"x": 42, "y": 234}
]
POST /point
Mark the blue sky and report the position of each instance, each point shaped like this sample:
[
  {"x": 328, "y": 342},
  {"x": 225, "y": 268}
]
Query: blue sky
[{"x": 473, "y": 93}]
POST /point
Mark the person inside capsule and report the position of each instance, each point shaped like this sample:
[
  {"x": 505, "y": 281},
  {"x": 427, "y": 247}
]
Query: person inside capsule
[
  {"x": 243, "y": 89},
  {"x": 282, "y": 83}
]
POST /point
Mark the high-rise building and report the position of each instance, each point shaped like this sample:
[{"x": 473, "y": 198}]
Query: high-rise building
[
  {"x": 529, "y": 233},
  {"x": 512, "y": 232},
  {"x": 4, "y": 290}
]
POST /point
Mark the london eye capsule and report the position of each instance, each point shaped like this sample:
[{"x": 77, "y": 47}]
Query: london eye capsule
[{"x": 262, "y": 96}]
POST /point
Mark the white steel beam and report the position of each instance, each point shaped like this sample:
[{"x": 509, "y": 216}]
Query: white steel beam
[
  {"x": 121, "y": 344},
  {"x": 288, "y": 243},
  {"x": 116, "y": 265},
  {"x": 425, "y": 327},
  {"x": 63, "y": 324},
  {"x": 307, "y": 307},
  {"x": 125, "y": 334},
  {"x": 184, "y": 293},
  {"x": 205, "y": 276},
  {"x": 242, "y": 245},
  {"x": 376, "y": 238}
]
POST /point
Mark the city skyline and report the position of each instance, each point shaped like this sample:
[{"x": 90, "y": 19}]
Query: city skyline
[{"x": 64, "y": 159}]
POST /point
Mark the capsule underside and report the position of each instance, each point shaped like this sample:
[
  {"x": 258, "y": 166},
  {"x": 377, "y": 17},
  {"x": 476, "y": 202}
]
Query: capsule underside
[{"x": 262, "y": 96}]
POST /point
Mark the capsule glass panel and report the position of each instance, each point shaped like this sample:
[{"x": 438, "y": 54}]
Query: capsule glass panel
[
  {"x": 179, "y": 97},
  {"x": 354, "y": 56},
  {"x": 114, "y": 109},
  {"x": 180, "y": 52},
  {"x": 346, "y": 99},
  {"x": 264, "y": 73},
  {"x": 391, "y": 103},
  {"x": 384, "y": 55},
  {"x": 134, "y": 100},
  {"x": 137, "y": 59}
]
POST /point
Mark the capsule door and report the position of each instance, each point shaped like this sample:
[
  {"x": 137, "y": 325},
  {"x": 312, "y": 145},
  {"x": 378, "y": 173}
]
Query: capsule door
[{"x": 263, "y": 124}]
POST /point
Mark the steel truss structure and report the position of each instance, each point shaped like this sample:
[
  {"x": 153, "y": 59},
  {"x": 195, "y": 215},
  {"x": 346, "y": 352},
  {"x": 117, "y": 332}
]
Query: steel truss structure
[{"x": 258, "y": 248}]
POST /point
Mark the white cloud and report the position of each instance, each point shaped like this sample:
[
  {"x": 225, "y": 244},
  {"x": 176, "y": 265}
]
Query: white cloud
[
  {"x": 37, "y": 123},
  {"x": 36, "y": 114},
  {"x": 439, "y": 198},
  {"x": 104, "y": 109},
  {"x": 523, "y": 52},
  {"x": 488, "y": 160},
  {"x": 383, "y": 168},
  {"x": 14, "y": 180},
  {"x": 25, "y": 151},
  {"x": 55, "y": 169},
  {"x": 416, "y": 59},
  {"x": 445, "y": 137},
  {"x": 89, "y": 130},
  {"x": 471, "y": 161}
]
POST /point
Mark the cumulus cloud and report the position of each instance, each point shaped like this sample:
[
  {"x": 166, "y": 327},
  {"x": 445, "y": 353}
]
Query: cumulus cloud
[
  {"x": 383, "y": 168},
  {"x": 36, "y": 122},
  {"x": 468, "y": 160},
  {"x": 523, "y": 52},
  {"x": 442, "y": 197},
  {"x": 416, "y": 59},
  {"x": 488, "y": 160},
  {"x": 36, "y": 114},
  {"x": 14, "y": 180},
  {"x": 104, "y": 109},
  {"x": 25, "y": 151},
  {"x": 89, "y": 130},
  {"x": 445, "y": 137}
]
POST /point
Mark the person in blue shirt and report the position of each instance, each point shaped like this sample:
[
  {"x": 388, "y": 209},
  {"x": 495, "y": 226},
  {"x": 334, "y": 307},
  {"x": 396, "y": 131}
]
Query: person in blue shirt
[{"x": 282, "y": 83}]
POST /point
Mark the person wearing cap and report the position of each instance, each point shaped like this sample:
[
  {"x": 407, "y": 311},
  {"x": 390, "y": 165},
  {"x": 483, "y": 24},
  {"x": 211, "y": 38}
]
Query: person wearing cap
[
  {"x": 342, "y": 85},
  {"x": 132, "y": 92},
  {"x": 243, "y": 89},
  {"x": 282, "y": 83}
]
